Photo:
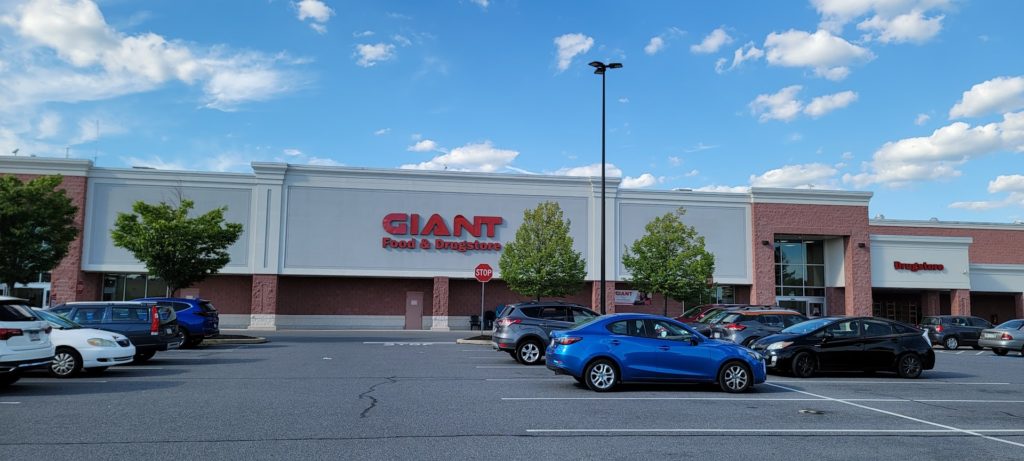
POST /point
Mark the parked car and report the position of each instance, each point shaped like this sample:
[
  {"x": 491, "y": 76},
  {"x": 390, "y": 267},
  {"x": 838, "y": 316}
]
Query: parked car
[
  {"x": 953, "y": 331},
  {"x": 696, "y": 313},
  {"x": 24, "y": 340},
  {"x": 623, "y": 348},
  {"x": 79, "y": 348},
  {"x": 1007, "y": 336},
  {"x": 746, "y": 326},
  {"x": 715, "y": 315},
  {"x": 150, "y": 328},
  {"x": 197, "y": 318},
  {"x": 523, "y": 328},
  {"x": 848, "y": 344}
]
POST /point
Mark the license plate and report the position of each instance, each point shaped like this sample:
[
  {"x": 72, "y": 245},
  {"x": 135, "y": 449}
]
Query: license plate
[
  {"x": 33, "y": 336},
  {"x": 716, "y": 335},
  {"x": 169, "y": 330}
]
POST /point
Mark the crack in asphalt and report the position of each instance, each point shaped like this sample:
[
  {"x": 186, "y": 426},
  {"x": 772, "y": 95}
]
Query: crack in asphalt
[{"x": 373, "y": 400}]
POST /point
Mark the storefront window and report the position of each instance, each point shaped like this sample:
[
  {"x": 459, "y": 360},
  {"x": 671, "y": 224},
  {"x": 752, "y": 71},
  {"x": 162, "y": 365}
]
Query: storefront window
[
  {"x": 799, "y": 268},
  {"x": 125, "y": 287}
]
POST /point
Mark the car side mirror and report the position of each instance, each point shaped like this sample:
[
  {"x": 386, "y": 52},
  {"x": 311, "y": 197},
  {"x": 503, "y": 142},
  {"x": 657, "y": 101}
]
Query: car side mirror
[
  {"x": 827, "y": 336},
  {"x": 694, "y": 341}
]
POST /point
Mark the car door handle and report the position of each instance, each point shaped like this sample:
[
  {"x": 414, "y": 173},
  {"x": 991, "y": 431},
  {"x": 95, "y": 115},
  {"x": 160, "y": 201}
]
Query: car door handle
[
  {"x": 664, "y": 348},
  {"x": 614, "y": 342}
]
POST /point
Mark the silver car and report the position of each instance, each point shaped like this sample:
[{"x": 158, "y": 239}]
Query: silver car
[
  {"x": 1005, "y": 337},
  {"x": 522, "y": 329}
]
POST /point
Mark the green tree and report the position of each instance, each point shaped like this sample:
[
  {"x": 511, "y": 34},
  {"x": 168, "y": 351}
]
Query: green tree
[
  {"x": 670, "y": 259},
  {"x": 37, "y": 224},
  {"x": 175, "y": 247},
  {"x": 541, "y": 261}
]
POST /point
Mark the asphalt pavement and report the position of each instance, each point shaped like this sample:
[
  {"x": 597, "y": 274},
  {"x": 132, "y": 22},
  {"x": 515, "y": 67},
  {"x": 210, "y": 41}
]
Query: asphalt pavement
[{"x": 419, "y": 395}]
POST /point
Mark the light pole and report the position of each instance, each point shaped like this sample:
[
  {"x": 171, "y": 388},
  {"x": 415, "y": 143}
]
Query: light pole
[{"x": 599, "y": 69}]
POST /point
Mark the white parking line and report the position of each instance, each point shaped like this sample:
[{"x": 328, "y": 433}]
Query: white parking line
[
  {"x": 890, "y": 413},
  {"x": 525, "y": 379},
  {"x": 918, "y": 382},
  {"x": 767, "y": 399},
  {"x": 961, "y": 352},
  {"x": 134, "y": 367},
  {"x": 800, "y": 431},
  {"x": 979, "y": 353},
  {"x": 64, "y": 381},
  {"x": 10, "y": 403},
  {"x": 409, "y": 343}
]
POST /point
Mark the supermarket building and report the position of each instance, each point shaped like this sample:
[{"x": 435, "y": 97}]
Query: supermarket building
[{"x": 338, "y": 247}]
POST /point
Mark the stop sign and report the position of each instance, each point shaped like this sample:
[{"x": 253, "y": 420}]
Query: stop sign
[{"x": 483, "y": 273}]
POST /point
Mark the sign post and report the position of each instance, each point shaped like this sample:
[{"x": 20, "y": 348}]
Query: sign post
[{"x": 483, "y": 274}]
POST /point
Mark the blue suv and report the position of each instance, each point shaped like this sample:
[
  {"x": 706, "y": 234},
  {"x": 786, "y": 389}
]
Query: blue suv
[{"x": 197, "y": 318}]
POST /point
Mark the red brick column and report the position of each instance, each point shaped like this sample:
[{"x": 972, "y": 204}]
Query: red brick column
[
  {"x": 263, "y": 314},
  {"x": 609, "y": 296},
  {"x": 1018, "y": 301},
  {"x": 67, "y": 281},
  {"x": 857, "y": 267},
  {"x": 835, "y": 300},
  {"x": 439, "y": 321},
  {"x": 960, "y": 302},
  {"x": 930, "y": 303}
]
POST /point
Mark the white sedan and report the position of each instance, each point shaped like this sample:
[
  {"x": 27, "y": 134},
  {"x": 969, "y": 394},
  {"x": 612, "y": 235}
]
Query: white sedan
[{"x": 78, "y": 347}]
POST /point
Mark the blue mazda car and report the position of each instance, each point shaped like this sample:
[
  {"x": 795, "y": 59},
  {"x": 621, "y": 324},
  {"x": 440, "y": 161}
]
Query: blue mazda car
[{"x": 614, "y": 349}]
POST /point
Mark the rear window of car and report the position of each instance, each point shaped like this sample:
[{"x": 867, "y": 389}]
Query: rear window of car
[
  {"x": 931, "y": 321},
  {"x": 530, "y": 311},
  {"x": 88, "y": 315},
  {"x": 978, "y": 322},
  {"x": 1011, "y": 325},
  {"x": 129, "y": 314},
  {"x": 15, "y": 313},
  {"x": 207, "y": 306}
]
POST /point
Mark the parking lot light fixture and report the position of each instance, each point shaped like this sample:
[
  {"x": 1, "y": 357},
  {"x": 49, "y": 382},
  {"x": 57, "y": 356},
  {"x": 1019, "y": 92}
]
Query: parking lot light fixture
[{"x": 600, "y": 68}]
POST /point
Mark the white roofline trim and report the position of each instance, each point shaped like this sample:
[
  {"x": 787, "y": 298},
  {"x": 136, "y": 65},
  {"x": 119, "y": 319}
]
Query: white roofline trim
[
  {"x": 945, "y": 224},
  {"x": 809, "y": 196}
]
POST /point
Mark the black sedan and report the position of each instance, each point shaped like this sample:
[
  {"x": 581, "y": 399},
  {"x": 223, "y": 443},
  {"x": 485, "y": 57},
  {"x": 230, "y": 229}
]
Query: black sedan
[{"x": 848, "y": 344}]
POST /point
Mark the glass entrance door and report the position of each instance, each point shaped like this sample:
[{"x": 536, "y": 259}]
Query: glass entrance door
[{"x": 811, "y": 306}]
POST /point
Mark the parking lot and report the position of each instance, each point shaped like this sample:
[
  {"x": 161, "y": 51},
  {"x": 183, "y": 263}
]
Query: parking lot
[{"x": 419, "y": 395}]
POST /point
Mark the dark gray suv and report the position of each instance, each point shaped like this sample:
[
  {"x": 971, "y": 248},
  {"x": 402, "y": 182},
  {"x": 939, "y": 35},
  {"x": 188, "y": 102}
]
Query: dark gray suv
[
  {"x": 953, "y": 331},
  {"x": 522, "y": 329}
]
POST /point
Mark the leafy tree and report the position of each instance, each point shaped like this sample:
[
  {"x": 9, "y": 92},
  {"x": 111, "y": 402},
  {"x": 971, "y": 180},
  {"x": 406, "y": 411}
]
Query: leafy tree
[
  {"x": 36, "y": 227},
  {"x": 541, "y": 261},
  {"x": 670, "y": 259},
  {"x": 180, "y": 250}
]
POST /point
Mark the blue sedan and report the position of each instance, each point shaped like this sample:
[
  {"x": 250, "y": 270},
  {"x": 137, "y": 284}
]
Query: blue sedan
[{"x": 613, "y": 349}]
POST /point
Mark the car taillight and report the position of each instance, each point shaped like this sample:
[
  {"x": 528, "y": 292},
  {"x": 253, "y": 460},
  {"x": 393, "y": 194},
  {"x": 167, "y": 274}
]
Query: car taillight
[
  {"x": 504, "y": 322},
  {"x": 8, "y": 333},
  {"x": 567, "y": 340},
  {"x": 154, "y": 326},
  {"x": 735, "y": 327},
  {"x": 1006, "y": 337},
  {"x": 938, "y": 328}
]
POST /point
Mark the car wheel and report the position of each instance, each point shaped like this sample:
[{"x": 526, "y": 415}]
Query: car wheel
[
  {"x": 951, "y": 343},
  {"x": 96, "y": 370},
  {"x": 735, "y": 378},
  {"x": 977, "y": 347},
  {"x": 186, "y": 339},
  {"x": 529, "y": 352},
  {"x": 601, "y": 375},
  {"x": 143, "y": 356},
  {"x": 9, "y": 378},
  {"x": 1000, "y": 351},
  {"x": 803, "y": 365},
  {"x": 66, "y": 363},
  {"x": 909, "y": 366}
]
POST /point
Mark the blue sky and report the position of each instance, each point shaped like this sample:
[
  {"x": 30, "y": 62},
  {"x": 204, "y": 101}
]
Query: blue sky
[{"x": 918, "y": 101}]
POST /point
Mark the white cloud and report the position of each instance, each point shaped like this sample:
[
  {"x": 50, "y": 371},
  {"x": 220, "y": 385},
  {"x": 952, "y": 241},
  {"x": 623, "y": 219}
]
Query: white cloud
[
  {"x": 779, "y": 106},
  {"x": 425, "y": 145},
  {"x": 89, "y": 131},
  {"x": 591, "y": 170},
  {"x": 382, "y": 132},
  {"x": 675, "y": 161},
  {"x": 401, "y": 40},
  {"x": 624, "y": 100},
  {"x": 824, "y": 104},
  {"x": 699, "y": 147},
  {"x": 720, "y": 65},
  {"x": 644, "y": 180},
  {"x": 324, "y": 162},
  {"x": 483, "y": 157},
  {"x": 154, "y": 162},
  {"x": 827, "y": 54},
  {"x": 909, "y": 27},
  {"x": 938, "y": 156},
  {"x": 796, "y": 137},
  {"x": 570, "y": 45},
  {"x": 747, "y": 52},
  {"x": 836, "y": 13},
  {"x": 811, "y": 175},
  {"x": 49, "y": 125},
  {"x": 370, "y": 55},
  {"x": 363, "y": 34},
  {"x": 95, "y": 61},
  {"x": 482, "y": 3},
  {"x": 315, "y": 10},
  {"x": 732, "y": 189},
  {"x": 654, "y": 46},
  {"x": 293, "y": 152},
  {"x": 1000, "y": 94},
  {"x": 712, "y": 42},
  {"x": 922, "y": 119},
  {"x": 692, "y": 173},
  {"x": 319, "y": 28},
  {"x": 847, "y": 156},
  {"x": 1007, "y": 183}
]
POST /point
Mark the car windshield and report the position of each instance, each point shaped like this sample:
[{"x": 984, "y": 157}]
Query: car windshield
[
  {"x": 713, "y": 318},
  {"x": 730, "y": 318},
  {"x": 808, "y": 326},
  {"x": 1011, "y": 325},
  {"x": 15, "y": 313},
  {"x": 57, "y": 321},
  {"x": 692, "y": 312}
]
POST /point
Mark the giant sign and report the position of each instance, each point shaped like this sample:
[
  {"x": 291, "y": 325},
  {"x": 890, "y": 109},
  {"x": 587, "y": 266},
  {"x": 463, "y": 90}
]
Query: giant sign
[{"x": 406, "y": 225}]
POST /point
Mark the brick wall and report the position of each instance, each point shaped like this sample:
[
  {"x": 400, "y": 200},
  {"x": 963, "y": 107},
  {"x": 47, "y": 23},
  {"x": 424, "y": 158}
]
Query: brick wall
[
  {"x": 990, "y": 246},
  {"x": 464, "y": 296},
  {"x": 851, "y": 222},
  {"x": 351, "y": 295},
  {"x": 230, "y": 294}
]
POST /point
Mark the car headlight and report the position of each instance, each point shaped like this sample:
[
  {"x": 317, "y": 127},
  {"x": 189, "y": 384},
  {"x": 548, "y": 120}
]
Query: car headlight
[
  {"x": 779, "y": 345},
  {"x": 101, "y": 342}
]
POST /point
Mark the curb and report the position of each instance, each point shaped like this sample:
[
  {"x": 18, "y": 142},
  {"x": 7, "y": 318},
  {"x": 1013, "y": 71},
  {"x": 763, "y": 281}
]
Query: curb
[
  {"x": 480, "y": 342},
  {"x": 249, "y": 340}
]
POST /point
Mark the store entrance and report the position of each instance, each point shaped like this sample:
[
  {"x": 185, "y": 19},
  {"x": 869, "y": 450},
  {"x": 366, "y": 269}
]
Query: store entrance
[{"x": 811, "y": 306}]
